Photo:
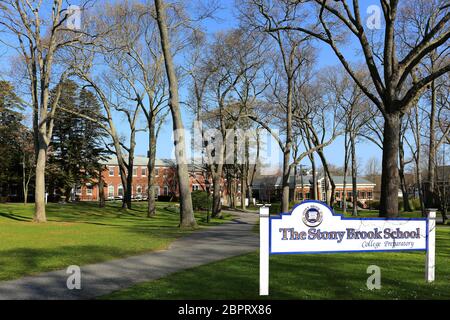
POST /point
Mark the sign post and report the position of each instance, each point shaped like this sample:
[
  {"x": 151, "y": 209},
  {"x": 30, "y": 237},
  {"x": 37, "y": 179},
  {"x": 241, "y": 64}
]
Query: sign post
[
  {"x": 264, "y": 250},
  {"x": 313, "y": 227},
  {"x": 431, "y": 252}
]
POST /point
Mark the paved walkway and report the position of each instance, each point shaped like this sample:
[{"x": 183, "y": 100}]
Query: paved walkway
[{"x": 201, "y": 247}]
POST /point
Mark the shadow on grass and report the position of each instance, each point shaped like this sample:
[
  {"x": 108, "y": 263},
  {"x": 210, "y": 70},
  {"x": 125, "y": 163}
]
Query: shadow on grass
[
  {"x": 15, "y": 217},
  {"x": 16, "y": 263},
  {"x": 292, "y": 277},
  {"x": 309, "y": 276}
]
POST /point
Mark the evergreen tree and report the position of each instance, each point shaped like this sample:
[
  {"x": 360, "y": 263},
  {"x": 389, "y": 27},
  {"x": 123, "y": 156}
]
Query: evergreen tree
[
  {"x": 10, "y": 128},
  {"x": 76, "y": 150}
]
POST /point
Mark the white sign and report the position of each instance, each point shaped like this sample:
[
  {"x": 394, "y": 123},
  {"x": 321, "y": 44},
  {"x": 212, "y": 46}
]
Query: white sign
[{"x": 313, "y": 227}]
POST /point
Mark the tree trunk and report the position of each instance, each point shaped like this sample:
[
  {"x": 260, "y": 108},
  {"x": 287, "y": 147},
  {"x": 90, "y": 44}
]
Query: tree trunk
[
  {"x": 285, "y": 185},
  {"x": 187, "y": 218},
  {"x": 101, "y": 190},
  {"x": 430, "y": 185},
  {"x": 129, "y": 188},
  {"x": 24, "y": 181},
  {"x": 354, "y": 177},
  {"x": 123, "y": 170},
  {"x": 151, "y": 209},
  {"x": 390, "y": 176},
  {"x": 243, "y": 187},
  {"x": 401, "y": 172},
  {"x": 330, "y": 201},
  {"x": 217, "y": 206},
  {"x": 39, "y": 193},
  {"x": 312, "y": 191},
  {"x": 344, "y": 196},
  {"x": 420, "y": 187},
  {"x": 25, "y": 195}
]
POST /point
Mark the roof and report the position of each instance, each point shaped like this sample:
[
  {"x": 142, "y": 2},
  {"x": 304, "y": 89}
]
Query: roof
[
  {"x": 143, "y": 161},
  {"x": 359, "y": 180},
  {"x": 140, "y": 161},
  {"x": 277, "y": 181}
]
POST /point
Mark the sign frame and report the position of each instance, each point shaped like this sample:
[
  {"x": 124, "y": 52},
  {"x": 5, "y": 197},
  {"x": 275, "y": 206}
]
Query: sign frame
[{"x": 266, "y": 240}]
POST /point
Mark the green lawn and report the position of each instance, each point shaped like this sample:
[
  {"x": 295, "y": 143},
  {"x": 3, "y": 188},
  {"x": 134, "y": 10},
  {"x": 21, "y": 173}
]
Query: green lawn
[
  {"x": 320, "y": 276},
  {"x": 78, "y": 234}
]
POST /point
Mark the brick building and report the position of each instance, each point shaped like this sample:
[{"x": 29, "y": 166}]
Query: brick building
[
  {"x": 301, "y": 187},
  {"x": 165, "y": 181}
]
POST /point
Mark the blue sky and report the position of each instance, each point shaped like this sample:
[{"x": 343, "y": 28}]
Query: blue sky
[
  {"x": 334, "y": 152},
  {"x": 227, "y": 19}
]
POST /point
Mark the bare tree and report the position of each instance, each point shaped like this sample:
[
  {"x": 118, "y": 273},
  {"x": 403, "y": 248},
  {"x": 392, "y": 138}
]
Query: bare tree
[
  {"x": 291, "y": 51},
  {"x": 355, "y": 111},
  {"x": 134, "y": 55},
  {"x": 234, "y": 60},
  {"x": 390, "y": 72},
  {"x": 187, "y": 218},
  {"x": 318, "y": 119},
  {"x": 415, "y": 119},
  {"x": 39, "y": 36}
]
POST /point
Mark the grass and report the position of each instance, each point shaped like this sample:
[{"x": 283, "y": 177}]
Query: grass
[
  {"x": 320, "y": 276},
  {"x": 78, "y": 234}
]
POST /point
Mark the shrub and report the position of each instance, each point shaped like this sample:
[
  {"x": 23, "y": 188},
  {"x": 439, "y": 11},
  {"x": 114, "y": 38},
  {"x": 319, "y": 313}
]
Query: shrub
[
  {"x": 275, "y": 208},
  {"x": 200, "y": 200},
  {"x": 293, "y": 203},
  {"x": 415, "y": 203},
  {"x": 374, "y": 204}
]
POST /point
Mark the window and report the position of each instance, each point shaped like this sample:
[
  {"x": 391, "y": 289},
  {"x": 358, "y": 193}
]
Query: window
[
  {"x": 89, "y": 190},
  {"x": 111, "y": 192},
  {"x": 166, "y": 190},
  {"x": 111, "y": 171},
  {"x": 139, "y": 190},
  {"x": 120, "y": 191},
  {"x": 156, "y": 172},
  {"x": 135, "y": 171},
  {"x": 144, "y": 172},
  {"x": 156, "y": 191},
  {"x": 78, "y": 191},
  {"x": 323, "y": 185},
  {"x": 195, "y": 187},
  {"x": 369, "y": 195},
  {"x": 363, "y": 195}
]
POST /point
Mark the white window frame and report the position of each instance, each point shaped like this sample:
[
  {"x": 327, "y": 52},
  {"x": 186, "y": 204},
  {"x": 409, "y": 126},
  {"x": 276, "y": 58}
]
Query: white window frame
[
  {"x": 109, "y": 191},
  {"x": 156, "y": 190},
  {"x": 113, "y": 169},
  {"x": 89, "y": 190}
]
